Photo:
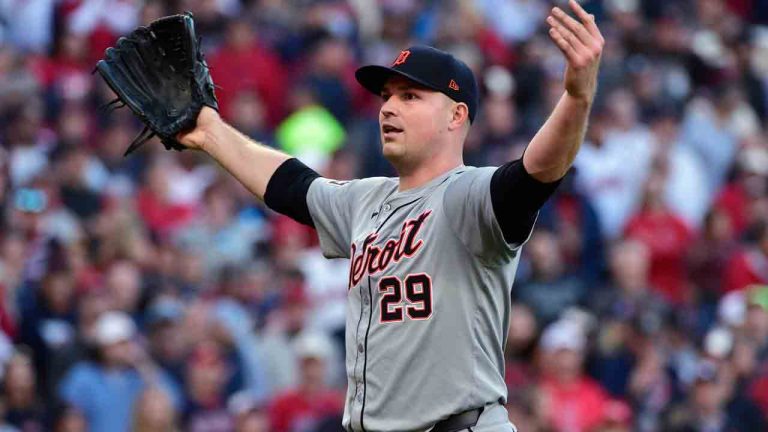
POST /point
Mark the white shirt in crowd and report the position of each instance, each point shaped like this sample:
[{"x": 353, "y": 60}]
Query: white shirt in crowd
[{"x": 612, "y": 176}]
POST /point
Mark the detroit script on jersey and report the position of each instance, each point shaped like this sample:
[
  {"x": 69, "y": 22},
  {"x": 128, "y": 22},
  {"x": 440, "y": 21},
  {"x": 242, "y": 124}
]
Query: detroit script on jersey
[{"x": 373, "y": 259}]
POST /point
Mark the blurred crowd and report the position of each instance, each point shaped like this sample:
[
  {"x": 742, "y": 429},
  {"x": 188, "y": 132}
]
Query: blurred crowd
[{"x": 154, "y": 293}]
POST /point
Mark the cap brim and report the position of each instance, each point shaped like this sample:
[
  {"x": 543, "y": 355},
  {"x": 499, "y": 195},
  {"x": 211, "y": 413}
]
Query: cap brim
[{"x": 373, "y": 78}]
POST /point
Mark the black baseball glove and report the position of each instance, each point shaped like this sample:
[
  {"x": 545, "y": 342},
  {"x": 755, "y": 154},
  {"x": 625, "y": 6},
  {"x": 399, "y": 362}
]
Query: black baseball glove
[{"x": 159, "y": 72}]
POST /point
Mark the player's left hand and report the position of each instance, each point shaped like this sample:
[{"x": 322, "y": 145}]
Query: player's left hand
[{"x": 582, "y": 44}]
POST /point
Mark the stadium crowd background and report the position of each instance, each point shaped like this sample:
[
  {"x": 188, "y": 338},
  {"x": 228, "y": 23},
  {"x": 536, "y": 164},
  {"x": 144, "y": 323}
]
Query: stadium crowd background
[{"x": 152, "y": 293}]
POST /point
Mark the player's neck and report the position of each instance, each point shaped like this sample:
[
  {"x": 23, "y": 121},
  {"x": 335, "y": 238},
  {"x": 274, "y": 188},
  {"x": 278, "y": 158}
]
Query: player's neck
[{"x": 426, "y": 172}]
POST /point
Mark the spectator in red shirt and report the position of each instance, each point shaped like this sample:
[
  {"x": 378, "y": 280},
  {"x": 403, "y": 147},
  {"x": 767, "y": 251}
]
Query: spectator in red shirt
[
  {"x": 738, "y": 197},
  {"x": 312, "y": 402},
  {"x": 618, "y": 418},
  {"x": 154, "y": 204},
  {"x": 7, "y": 322},
  {"x": 570, "y": 400},
  {"x": 67, "y": 74},
  {"x": 244, "y": 64},
  {"x": 750, "y": 264},
  {"x": 13, "y": 256},
  {"x": 708, "y": 256},
  {"x": 667, "y": 237},
  {"x": 101, "y": 21}
]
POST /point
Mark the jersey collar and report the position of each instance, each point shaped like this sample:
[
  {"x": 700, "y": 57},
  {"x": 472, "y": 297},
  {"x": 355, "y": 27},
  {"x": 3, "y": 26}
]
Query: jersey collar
[{"x": 412, "y": 193}]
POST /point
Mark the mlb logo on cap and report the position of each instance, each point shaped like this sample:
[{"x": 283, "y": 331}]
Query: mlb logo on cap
[{"x": 429, "y": 67}]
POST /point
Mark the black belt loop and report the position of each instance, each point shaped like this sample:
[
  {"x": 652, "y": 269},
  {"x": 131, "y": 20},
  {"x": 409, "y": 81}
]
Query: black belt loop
[{"x": 459, "y": 422}]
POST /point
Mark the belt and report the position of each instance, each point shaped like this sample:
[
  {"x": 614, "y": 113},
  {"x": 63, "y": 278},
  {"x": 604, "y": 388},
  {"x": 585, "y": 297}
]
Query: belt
[{"x": 458, "y": 422}]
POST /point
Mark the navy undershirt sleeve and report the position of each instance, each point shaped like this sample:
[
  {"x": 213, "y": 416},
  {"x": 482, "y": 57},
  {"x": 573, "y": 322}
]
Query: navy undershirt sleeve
[
  {"x": 516, "y": 198},
  {"x": 287, "y": 190}
]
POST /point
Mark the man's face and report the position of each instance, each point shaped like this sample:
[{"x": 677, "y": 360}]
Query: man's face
[
  {"x": 568, "y": 362},
  {"x": 313, "y": 371},
  {"x": 168, "y": 341},
  {"x": 412, "y": 119}
]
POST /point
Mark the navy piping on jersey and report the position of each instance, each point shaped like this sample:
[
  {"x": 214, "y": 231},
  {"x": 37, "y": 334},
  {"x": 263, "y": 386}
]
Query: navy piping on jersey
[
  {"x": 370, "y": 314},
  {"x": 357, "y": 357},
  {"x": 365, "y": 359}
]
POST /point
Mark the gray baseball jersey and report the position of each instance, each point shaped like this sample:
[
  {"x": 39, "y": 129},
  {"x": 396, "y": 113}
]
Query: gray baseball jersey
[{"x": 429, "y": 295}]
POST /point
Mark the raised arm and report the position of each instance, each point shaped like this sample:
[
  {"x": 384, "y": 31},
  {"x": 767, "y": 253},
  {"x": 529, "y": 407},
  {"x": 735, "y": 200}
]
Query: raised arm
[
  {"x": 251, "y": 163},
  {"x": 553, "y": 149}
]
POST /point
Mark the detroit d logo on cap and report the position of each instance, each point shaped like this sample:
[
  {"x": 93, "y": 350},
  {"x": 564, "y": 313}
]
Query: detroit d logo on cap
[{"x": 401, "y": 58}]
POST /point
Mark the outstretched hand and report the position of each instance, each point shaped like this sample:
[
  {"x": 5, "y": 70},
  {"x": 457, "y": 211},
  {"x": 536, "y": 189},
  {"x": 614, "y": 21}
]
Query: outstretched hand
[{"x": 582, "y": 44}]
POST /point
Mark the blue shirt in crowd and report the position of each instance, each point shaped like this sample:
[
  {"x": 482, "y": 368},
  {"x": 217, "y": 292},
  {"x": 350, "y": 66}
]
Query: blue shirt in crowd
[{"x": 106, "y": 396}]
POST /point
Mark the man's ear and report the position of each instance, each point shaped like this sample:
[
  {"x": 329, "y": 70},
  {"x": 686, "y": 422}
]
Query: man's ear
[{"x": 459, "y": 115}]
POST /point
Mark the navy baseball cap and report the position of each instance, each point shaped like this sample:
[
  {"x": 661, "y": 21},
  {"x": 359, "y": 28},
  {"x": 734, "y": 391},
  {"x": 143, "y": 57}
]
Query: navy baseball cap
[{"x": 430, "y": 67}]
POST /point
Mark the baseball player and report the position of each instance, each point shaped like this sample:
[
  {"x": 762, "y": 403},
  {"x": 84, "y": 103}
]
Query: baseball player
[{"x": 433, "y": 252}]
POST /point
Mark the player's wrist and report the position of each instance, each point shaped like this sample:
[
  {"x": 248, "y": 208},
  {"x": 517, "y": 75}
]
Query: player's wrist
[{"x": 210, "y": 125}]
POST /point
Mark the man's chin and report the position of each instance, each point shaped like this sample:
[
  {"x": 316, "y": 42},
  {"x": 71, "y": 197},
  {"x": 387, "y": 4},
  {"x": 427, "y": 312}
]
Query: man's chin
[
  {"x": 393, "y": 160},
  {"x": 392, "y": 151}
]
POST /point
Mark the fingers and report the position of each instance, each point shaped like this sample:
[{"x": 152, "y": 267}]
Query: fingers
[
  {"x": 571, "y": 43},
  {"x": 581, "y": 35},
  {"x": 563, "y": 44},
  {"x": 580, "y": 45},
  {"x": 587, "y": 19}
]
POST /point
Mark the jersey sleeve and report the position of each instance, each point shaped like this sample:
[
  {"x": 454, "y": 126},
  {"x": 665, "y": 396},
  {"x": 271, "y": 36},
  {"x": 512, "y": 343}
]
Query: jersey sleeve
[
  {"x": 300, "y": 193},
  {"x": 330, "y": 207},
  {"x": 493, "y": 210}
]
